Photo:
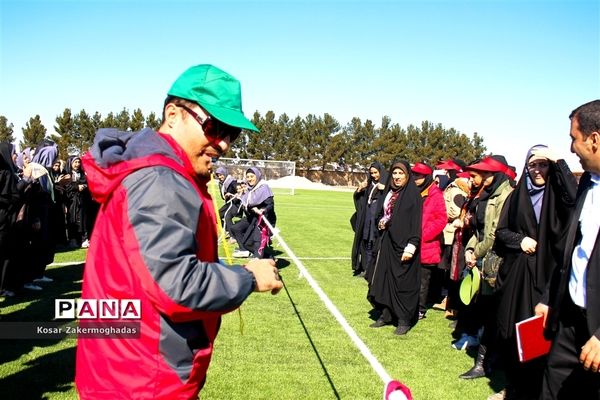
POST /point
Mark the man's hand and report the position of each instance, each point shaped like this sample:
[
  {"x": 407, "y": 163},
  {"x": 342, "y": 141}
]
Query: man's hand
[
  {"x": 542, "y": 309},
  {"x": 266, "y": 275},
  {"x": 528, "y": 245},
  {"x": 590, "y": 355}
]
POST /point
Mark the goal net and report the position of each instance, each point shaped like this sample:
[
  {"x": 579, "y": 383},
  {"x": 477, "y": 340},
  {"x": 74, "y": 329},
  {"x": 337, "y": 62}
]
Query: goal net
[{"x": 278, "y": 174}]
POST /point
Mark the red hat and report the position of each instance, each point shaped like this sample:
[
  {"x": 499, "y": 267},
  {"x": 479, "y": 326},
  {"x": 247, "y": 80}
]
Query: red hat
[
  {"x": 463, "y": 175},
  {"x": 511, "y": 173},
  {"x": 422, "y": 169},
  {"x": 489, "y": 164},
  {"x": 449, "y": 165}
]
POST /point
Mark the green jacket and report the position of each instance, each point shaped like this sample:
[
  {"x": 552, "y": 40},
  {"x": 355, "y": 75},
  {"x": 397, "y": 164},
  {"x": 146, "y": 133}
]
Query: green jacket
[{"x": 481, "y": 245}]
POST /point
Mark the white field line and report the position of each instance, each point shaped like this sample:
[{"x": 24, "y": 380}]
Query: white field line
[
  {"x": 304, "y": 207},
  {"x": 318, "y": 258},
  {"x": 375, "y": 364},
  {"x": 64, "y": 264}
]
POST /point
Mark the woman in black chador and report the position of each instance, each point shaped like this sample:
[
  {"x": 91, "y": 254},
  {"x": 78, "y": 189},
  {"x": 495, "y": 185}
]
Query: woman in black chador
[
  {"x": 395, "y": 279},
  {"x": 530, "y": 235},
  {"x": 363, "y": 221},
  {"x": 79, "y": 200}
]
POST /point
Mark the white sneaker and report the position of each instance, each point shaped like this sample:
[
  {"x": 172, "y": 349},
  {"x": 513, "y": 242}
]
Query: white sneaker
[
  {"x": 31, "y": 286},
  {"x": 43, "y": 279},
  {"x": 85, "y": 244},
  {"x": 241, "y": 253}
]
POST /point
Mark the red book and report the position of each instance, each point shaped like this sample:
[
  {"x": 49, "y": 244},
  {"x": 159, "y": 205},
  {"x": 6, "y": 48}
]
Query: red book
[{"x": 530, "y": 338}]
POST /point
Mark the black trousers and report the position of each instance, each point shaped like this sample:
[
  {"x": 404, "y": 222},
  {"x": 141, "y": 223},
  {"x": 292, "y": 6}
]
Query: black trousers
[
  {"x": 564, "y": 377},
  {"x": 427, "y": 270}
]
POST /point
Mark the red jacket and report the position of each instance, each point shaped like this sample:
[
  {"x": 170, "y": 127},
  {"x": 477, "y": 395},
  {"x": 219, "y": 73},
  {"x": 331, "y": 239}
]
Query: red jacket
[
  {"x": 154, "y": 240},
  {"x": 433, "y": 223}
]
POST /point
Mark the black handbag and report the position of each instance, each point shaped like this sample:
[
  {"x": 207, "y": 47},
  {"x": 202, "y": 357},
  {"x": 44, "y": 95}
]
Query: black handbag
[{"x": 490, "y": 264}]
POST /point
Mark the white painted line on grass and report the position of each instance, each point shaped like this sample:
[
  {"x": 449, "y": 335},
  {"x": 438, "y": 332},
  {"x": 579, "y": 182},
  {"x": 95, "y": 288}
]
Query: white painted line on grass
[
  {"x": 63, "y": 264},
  {"x": 319, "y": 258},
  {"x": 375, "y": 364}
]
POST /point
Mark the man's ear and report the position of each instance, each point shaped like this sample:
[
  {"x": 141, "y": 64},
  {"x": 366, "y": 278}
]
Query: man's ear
[
  {"x": 594, "y": 139},
  {"x": 172, "y": 113}
]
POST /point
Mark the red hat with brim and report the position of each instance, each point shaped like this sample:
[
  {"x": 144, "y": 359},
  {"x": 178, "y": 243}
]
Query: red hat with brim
[
  {"x": 489, "y": 164},
  {"x": 463, "y": 175},
  {"x": 422, "y": 169},
  {"x": 449, "y": 165}
]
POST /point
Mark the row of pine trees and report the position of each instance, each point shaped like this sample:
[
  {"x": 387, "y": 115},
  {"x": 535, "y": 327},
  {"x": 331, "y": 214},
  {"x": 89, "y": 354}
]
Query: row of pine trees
[{"x": 313, "y": 141}]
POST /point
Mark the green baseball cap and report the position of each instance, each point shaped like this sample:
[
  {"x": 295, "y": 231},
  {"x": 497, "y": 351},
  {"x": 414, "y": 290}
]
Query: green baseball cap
[
  {"x": 216, "y": 91},
  {"x": 469, "y": 286}
]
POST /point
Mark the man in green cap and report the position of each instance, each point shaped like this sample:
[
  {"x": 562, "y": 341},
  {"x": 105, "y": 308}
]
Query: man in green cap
[{"x": 155, "y": 241}]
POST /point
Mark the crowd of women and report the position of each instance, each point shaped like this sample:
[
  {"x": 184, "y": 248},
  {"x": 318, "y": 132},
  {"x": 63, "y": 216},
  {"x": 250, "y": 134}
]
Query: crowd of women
[
  {"x": 248, "y": 203},
  {"x": 410, "y": 228},
  {"x": 45, "y": 205}
]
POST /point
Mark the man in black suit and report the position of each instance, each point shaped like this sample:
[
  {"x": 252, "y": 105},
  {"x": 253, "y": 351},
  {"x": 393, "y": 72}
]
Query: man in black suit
[{"x": 571, "y": 304}]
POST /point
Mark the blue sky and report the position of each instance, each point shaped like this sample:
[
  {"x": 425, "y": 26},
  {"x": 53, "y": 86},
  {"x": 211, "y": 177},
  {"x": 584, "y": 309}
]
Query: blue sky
[{"x": 510, "y": 70}]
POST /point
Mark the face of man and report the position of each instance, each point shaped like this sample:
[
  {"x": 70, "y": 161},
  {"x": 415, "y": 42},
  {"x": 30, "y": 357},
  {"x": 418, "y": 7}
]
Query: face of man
[
  {"x": 586, "y": 148},
  {"x": 538, "y": 171},
  {"x": 374, "y": 172},
  {"x": 189, "y": 134},
  {"x": 399, "y": 177}
]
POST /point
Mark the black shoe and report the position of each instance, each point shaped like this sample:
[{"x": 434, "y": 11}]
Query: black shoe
[
  {"x": 402, "y": 330},
  {"x": 379, "y": 323},
  {"x": 476, "y": 372}
]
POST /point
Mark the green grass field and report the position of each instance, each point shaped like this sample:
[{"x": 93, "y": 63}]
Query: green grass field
[{"x": 276, "y": 347}]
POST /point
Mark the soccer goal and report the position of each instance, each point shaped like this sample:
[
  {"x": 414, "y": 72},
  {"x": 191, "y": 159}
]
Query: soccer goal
[{"x": 280, "y": 175}]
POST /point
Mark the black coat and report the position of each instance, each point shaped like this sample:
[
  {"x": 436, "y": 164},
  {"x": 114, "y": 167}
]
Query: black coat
[
  {"x": 522, "y": 278},
  {"x": 363, "y": 221},
  {"x": 558, "y": 287},
  {"x": 394, "y": 283}
]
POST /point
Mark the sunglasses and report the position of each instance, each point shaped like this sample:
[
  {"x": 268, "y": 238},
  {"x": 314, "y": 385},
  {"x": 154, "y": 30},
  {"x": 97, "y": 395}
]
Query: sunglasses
[{"x": 213, "y": 127}]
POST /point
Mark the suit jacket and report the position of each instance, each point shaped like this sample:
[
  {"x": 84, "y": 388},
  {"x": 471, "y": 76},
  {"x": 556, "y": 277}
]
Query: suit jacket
[{"x": 559, "y": 284}]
